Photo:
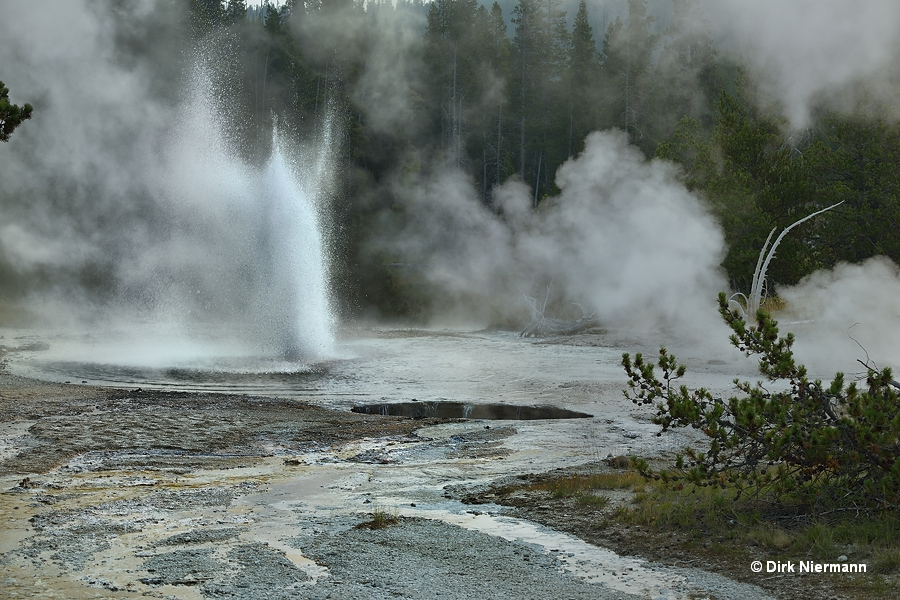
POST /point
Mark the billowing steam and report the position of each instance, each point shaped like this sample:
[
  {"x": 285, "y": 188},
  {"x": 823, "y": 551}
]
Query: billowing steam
[
  {"x": 851, "y": 314},
  {"x": 624, "y": 238},
  {"x": 125, "y": 199},
  {"x": 121, "y": 198},
  {"x": 808, "y": 53}
]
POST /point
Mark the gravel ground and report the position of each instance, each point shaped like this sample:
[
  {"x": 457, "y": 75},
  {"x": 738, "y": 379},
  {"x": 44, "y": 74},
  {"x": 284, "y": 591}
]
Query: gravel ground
[
  {"x": 415, "y": 558},
  {"x": 421, "y": 558}
]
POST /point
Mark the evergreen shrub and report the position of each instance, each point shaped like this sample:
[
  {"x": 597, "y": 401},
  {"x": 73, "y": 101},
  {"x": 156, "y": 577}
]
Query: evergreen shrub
[{"x": 834, "y": 447}]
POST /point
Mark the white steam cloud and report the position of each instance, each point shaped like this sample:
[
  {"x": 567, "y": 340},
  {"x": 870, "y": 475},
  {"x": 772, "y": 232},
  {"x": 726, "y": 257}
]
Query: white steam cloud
[
  {"x": 624, "y": 238},
  {"x": 92, "y": 122},
  {"x": 96, "y": 123},
  {"x": 95, "y": 186},
  {"x": 846, "y": 314},
  {"x": 125, "y": 200},
  {"x": 807, "y": 52}
]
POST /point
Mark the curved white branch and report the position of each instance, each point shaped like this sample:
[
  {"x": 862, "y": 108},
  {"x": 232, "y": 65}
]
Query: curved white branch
[{"x": 759, "y": 276}]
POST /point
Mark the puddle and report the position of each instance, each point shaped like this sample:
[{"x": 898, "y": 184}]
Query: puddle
[{"x": 462, "y": 410}]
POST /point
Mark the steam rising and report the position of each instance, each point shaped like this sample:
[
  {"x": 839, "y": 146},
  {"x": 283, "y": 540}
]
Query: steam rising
[
  {"x": 123, "y": 201},
  {"x": 137, "y": 209},
  {"x": 854, "y": 313},
  {"x": 624, "y": 238},
  {"x": 810, "y": 52}
]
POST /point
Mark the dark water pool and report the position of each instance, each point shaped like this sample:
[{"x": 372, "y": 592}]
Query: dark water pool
[{"x": 462, "y": 410}]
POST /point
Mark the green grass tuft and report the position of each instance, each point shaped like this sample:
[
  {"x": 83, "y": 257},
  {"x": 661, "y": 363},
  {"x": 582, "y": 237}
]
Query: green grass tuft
[{"x": 381, "y": 518}]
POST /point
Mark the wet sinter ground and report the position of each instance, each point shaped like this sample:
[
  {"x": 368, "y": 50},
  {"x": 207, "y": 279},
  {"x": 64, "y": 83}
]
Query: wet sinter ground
[{"x": 127, "y": 493}]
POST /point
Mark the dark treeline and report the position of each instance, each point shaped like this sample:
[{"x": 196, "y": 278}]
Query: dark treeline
[{"x": 416, "y": 87}]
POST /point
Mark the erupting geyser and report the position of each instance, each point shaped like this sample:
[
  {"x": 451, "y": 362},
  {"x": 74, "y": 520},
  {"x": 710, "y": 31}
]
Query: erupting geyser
[
  {"x": 208, "y": 263},
  {"x": 242, "y": 263},
  {"x": 293, "y": 312}
]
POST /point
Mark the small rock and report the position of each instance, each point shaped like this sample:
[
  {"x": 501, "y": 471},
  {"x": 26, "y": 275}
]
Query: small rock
[{"x": 842, "y": 558}]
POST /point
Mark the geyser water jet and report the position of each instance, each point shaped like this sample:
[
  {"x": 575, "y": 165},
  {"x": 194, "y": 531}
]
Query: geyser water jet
[
  {"x": 295, "y": 313},
  {"x": 211, "y": 263},
  {"x": 244, "y": 263}
]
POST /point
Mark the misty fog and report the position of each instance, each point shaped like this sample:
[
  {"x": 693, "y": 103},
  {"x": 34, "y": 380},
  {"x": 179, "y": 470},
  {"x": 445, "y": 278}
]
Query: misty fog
[{"x": 128, "y": 197}]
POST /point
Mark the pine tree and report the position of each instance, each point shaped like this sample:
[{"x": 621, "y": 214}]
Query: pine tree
[
  {"x": 754, "y": 180},
  {"x": 11, "y": 115},
  {"x": 583, "y": 80},
  {"x": 272, "y": 19},
  {"x": 628, "y": 49},
  {"x": 497, "y": 163},
  {"x": 537, "y": 97},
  {"x": 450, "y": 48},
  {"x": 206, "y": 16},
  {"x": 527, "y": 58},
  {"x": 686, "y": 81},
  {"x": 554, "y": 101},
  {"x": 235, "y": 11},
  {"x": 855, "y": 160}
]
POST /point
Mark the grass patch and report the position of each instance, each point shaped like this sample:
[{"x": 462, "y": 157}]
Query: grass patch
[
  {"x": 381, "y": 518},
  {"x": 773, "y": 537},
  {"x": 595, "y": 501},
  {"x": 886, "y": 561},
  {"x": 663, "y": 508},
  {"x": 577, "y": 485},
  {"x": 713, "y": 525},
  {"x": 744, "y": 530},
  {"x": 773, "y": 304},
  {"x": 584, "y": 489},
  {"x": 716, "y": 511}
]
